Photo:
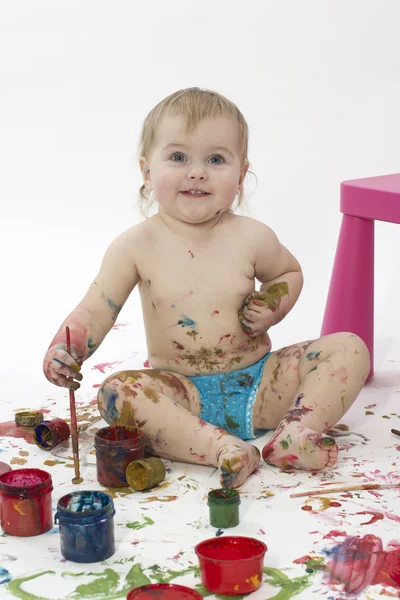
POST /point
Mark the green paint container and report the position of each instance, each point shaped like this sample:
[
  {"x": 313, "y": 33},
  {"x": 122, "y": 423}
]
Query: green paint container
[{"x": 224, "y": 508}]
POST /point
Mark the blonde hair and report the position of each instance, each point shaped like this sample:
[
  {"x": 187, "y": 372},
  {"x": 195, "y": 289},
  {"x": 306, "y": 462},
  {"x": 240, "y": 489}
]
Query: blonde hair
[{"x": 194, "y": 105}]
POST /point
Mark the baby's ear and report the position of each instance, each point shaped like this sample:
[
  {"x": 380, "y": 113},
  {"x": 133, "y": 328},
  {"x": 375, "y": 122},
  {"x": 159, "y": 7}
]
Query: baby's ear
[{"x": 144, "y": 167}]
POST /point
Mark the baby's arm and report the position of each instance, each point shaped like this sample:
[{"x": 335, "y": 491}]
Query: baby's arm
[
  {"x": 281, "y": 283},
  {"x": 94, "y": 316}
]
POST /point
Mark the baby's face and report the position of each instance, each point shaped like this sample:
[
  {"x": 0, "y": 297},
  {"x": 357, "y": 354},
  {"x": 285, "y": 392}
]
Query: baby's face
[{"x": 195, "y": 177}]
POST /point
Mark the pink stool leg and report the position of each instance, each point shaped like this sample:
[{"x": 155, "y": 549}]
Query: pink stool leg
[{"x": 350, "y": 303}]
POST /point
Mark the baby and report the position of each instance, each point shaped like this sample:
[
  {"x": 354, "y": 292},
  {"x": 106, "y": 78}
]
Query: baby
[{"x": 214, "y": 381}]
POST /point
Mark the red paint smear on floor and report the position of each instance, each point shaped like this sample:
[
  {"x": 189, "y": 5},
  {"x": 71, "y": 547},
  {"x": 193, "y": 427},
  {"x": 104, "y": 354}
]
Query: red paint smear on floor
[
  {"x": 360, "y": 562},
  {"x": 10, "y": 429},
  {"x": 375, "y": 516},
  {"x": 334, "y": 533},
  {"x": 102, "y": 366}
]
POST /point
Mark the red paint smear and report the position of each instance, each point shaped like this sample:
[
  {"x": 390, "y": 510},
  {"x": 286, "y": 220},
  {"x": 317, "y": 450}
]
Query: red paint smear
[
  {"x": 335, "y": 504},
  {"x": 102, "y": 366},
  {"x": 119, "y": 325},
  {"x": 302, "y": 560},
  {"x": 146, "y": 364},
  {"x": 215, "y": 312},
  {"x": 96, "y": 385},
  {"x": 376, "y": 516},
  {"x": 10, "y": 429},
  {"x": 262, "y": 531},
  {"x": 360, "y": 562},
  {"x": 306, "y": 507},
  {"x": 392, "y": 517},
  {"x": 334, "y": 533}
]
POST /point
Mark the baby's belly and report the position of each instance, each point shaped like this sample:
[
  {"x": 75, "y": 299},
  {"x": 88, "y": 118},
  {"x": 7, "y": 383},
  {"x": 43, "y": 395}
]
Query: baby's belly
[{"x": 218, "y": 347}]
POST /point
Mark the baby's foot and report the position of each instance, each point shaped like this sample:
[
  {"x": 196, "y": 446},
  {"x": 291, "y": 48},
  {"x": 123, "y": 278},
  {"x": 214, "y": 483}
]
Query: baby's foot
[
  {"x": 236, "y": 462},
  {"x": 296, "y": 446}
]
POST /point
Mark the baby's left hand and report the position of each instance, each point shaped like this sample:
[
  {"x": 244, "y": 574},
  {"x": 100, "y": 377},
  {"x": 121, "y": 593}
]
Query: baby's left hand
[{"x": 255, "y": 316}]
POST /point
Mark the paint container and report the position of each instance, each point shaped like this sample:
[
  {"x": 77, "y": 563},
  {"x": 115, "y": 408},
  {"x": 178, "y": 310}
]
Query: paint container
[
  {"x": 116, "y": 447},
  {"x": 49, "y": 434},
  {"x": 26, "y": 502},
  {"x": 28, "y": 418},
  {"x": 86, "y": 526},
  {"x": 224, "y": 508},
  {"x": 231, "y": 565},
  {"x": 145, "y": 473},
  {"x": 164, "y": 591}
]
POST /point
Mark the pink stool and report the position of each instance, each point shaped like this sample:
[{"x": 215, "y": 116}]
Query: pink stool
[{"x": 350, "y": 303}]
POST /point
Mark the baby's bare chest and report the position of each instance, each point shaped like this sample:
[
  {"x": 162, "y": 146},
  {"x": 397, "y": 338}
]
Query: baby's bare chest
[{"x": 204, "y": 276}]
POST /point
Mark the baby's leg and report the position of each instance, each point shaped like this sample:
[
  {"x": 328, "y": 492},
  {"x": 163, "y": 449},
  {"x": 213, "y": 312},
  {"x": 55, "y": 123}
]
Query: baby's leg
[
  {"x": 166, "y": 407},
  {"x": 305, "y": 390}
]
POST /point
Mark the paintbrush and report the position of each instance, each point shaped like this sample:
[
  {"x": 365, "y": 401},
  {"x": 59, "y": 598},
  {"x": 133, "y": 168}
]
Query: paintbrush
[
  {"x": 74, "y": 424},
  {"x": 347, "y": 488},
  {"x": 396, "y": 432}
]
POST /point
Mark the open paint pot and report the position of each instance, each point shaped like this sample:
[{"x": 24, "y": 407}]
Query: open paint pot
[
  {"x": 49, "y": 434},
  {"x": 231, "y": 565},
  {"x": 116, "y": 447},
  {"x": 86, "y": 526},
  {"x": 26, "y": 502},
  {"x": 164, "y": 591},
  {"x": 28, "y": 418},
  {"x": 224, "y": 508},
  {"x": 145, "y": 473}
]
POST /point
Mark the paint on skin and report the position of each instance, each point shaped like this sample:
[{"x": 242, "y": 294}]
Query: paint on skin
[
  {"x": 298, "y": 400},
  {"x": 91, "y": 346},
  {"x": 191, "y": 254},
  {"x": 313, "y": 355},
  {"x": 272, "y": 296},
  {"x": 295, "y": 414},
  {"x": 116, "y": 309},
  {"x": 199, "y": 457},
  {"x": 215, "y": 313}
]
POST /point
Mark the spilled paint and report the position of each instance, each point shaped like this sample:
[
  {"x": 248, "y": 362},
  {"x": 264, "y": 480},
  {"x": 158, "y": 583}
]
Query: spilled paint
[
  {"x": 140, "y": 525},
  {"x": 10, "y": 429}
]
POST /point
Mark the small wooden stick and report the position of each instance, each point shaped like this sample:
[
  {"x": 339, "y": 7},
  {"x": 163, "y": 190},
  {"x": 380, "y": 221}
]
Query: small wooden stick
[
  {"x": 395, "y": 431},
  {"x": 74, "y": 424},
  {"x": 347, "y": 488}
]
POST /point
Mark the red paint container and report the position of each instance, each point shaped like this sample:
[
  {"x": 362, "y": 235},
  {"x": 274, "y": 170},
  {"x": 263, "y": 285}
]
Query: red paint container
[
  {"x": 49, "y": 434},
  {"x": 231, "y": 565},
  {"x": 26, "y": 502},
  {"x": 116, "y": 447},
  {"x": 166, "y": 591}
]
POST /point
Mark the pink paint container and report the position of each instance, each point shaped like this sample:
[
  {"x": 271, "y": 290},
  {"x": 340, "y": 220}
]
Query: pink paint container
[
  {"x": 164, "y": 591},
  {"x": 26, "y": 502},
  {"x": 231, "y": 565}
]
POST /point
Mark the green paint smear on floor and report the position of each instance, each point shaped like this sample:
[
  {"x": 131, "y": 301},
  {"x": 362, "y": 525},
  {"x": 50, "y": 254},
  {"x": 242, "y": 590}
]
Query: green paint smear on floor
[
  {"x": 106, "y": 584},
  {"x": 138, "y": 525}
]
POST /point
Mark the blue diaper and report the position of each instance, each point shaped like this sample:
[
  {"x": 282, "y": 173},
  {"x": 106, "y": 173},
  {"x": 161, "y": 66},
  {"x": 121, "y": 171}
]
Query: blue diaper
[{"x": 227, "y": 399}]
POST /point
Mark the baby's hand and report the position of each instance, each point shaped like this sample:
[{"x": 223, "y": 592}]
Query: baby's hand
[
  {"x": 255, "y": 315},
  {"x": 60, "y": 368}
]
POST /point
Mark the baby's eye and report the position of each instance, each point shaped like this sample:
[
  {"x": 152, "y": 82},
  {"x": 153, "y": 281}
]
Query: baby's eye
[
  {"x": 178, "y": 157},
  {"x": 216, "y": 159}
]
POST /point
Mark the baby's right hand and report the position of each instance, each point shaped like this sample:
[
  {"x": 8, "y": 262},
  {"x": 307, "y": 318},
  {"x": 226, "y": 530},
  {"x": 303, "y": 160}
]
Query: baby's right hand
[{"x": 60, "y": 368}]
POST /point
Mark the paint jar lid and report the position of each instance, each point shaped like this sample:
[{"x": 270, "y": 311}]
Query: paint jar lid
[
  {"x": 223, "y": 496},
  {"x": 26, "y": 483},
  {"x": 84, "y": 507},
  {"x": 28, "y": 418},
  {"x": 164, "y": 591}
]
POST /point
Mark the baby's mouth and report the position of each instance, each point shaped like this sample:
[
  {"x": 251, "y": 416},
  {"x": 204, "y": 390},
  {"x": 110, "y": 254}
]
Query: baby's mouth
[{"x": 195, "y": 194}]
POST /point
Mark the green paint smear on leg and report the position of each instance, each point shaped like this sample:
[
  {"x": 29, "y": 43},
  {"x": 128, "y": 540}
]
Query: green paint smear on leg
[{"x": 138, "y": 525}]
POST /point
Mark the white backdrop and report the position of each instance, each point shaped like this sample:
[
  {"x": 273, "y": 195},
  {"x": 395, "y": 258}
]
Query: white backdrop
[{"x": 318, "y": 81}]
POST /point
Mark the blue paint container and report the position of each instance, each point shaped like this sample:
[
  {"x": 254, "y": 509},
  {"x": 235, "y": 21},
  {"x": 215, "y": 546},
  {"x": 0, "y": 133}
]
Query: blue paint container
[{"x": 86, "y": 526}]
